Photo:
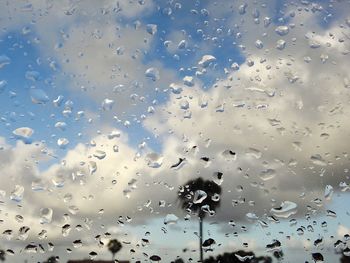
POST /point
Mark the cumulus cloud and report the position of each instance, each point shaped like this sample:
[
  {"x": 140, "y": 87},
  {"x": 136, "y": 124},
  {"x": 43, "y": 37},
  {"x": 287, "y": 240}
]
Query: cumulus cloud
[{"x": 281, "y": 113}]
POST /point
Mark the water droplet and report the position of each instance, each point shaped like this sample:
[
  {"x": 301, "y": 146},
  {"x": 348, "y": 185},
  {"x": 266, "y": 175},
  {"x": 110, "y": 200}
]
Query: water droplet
[
  {"x": 282, "y": 30},
  {"x": 155, "y": 258},
  {"x": 3, "y": 84},
  {"x": 218, "y": 178},
  {"x": 176, "y": 89},
  {"x": 206, "y": 60},
  {"x": 229, "y": 155},
  {"x": 77, "y": 243},
  {"x": 208, "y": 242},
  {"x": 62, "y": 142},
  {"x": 317, "y": 257},
  {"x": 252, "y": 152},
  {"x": 274, "y": 246},
  {"x": 252, "y": 216},
  {"x": 267, "y": 174},
  {"x": 181, "y": 162},
  {"x": 199, "y": 196},
  {"x": 38, "y": 96},
  {"x": 318, "y": 160},
  {"x": 280, "y": 44},
  {"x": 286, "y": 209},
  {"x": 170, "y": 219},
  {"x": 32, "y": 75},
  {"x": 92, "y": 255},
  {"x": 154, "y": 160},
  {"x": 66, "y": 229},
  {"x": 114, "y": 134},
  {"x": 23, "y": 133},
  {"x": 46, "y": 215},
  {"x": 328, "y": 192},
  {"x": 4, "y": 60},
  {"x": 151, "y": 29},
  {"x": 31, "y": 248},
  {"x": 259, "y": 44},
  {"x": 61, "y": 125},
  {"x": 17, "y": 193},
  {"x": 188, "y": 81},
  {"x": 182, "y": 44},
  {"x": 23, "y": 233},
  {"x": 99, "y": 154},
  {"x": 107, "y": 104},
  {"x": 152, "y": 73}
]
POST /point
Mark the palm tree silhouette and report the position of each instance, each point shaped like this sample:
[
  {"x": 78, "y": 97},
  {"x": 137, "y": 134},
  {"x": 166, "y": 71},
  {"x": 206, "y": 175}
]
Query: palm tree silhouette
[
  {"x": 200, "y": 197},
  {"x": 114, "y": 246}
]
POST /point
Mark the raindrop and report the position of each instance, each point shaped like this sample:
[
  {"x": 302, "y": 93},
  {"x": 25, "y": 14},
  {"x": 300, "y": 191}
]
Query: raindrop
[
  {"x": 92, "y": 167},
  {"x": 66, "y": 229},
  {"x": 328, "y": 192},
  {"x": 92, "y": 255},
  {"x": 77, "y": 243},
  {"x": 280, "y": 44},
  {"x": 252, "y": 216},
  {"x": 181, "y": 162},
  {"x": 99, "y": 154},
  {"x": 206, "y": 60},
  {"x": 154, "y": 160},
  {"x": 199, "y": 196},
  {"x": 252, "y": 152},
  {"x": 188, "y": 81},
  {"x": 62, "y": 142},
  {"x": 229, "y": 155},
  {"x": 259, "y": 44},
  {"x": 208, "y": 242},
  {"x": 3, "y": 84},
  {"x": 152, "y": 74},
  {"x": 282, "y": 30},
  {"x": 4, "y": 60},
  {"x": 218, "y": 178},
  {"x": 32, "y": 75},
  {"x": 274, "y": 246},
  {"x": 151, "y": 29},
  {"x": 170, "y": 219},
  {"x": 107, "y": 104},
  {"x": 38, "y": 96},
  {"x": 23, "y": 133},
  {"x": 31, "y": 248},
  {"x": 318, "y": 160},
  {"x": 267, "y": 174},
  {"x": 286, "y": 209},
  {"x": 61, "y": 125},
  {"x": 317, "y": 257},
  {"x": 17, "y": 193},
  {"x": 46, "y": 215},
  {"x": 155, "y": 258}
]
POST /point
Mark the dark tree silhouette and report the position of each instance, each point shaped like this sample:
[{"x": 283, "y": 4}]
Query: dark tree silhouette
[
  {"x": 344, "y": 259},
  {"x": 2, "y": 255},
  {"x": 114, "y": 246},
  {"x": 247, "y": 257},
  {"x": 190, "y": 195}
]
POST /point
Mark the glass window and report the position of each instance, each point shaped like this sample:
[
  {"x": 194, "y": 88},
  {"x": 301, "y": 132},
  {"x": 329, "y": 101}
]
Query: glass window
[{"x": 174, "y": 131}]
